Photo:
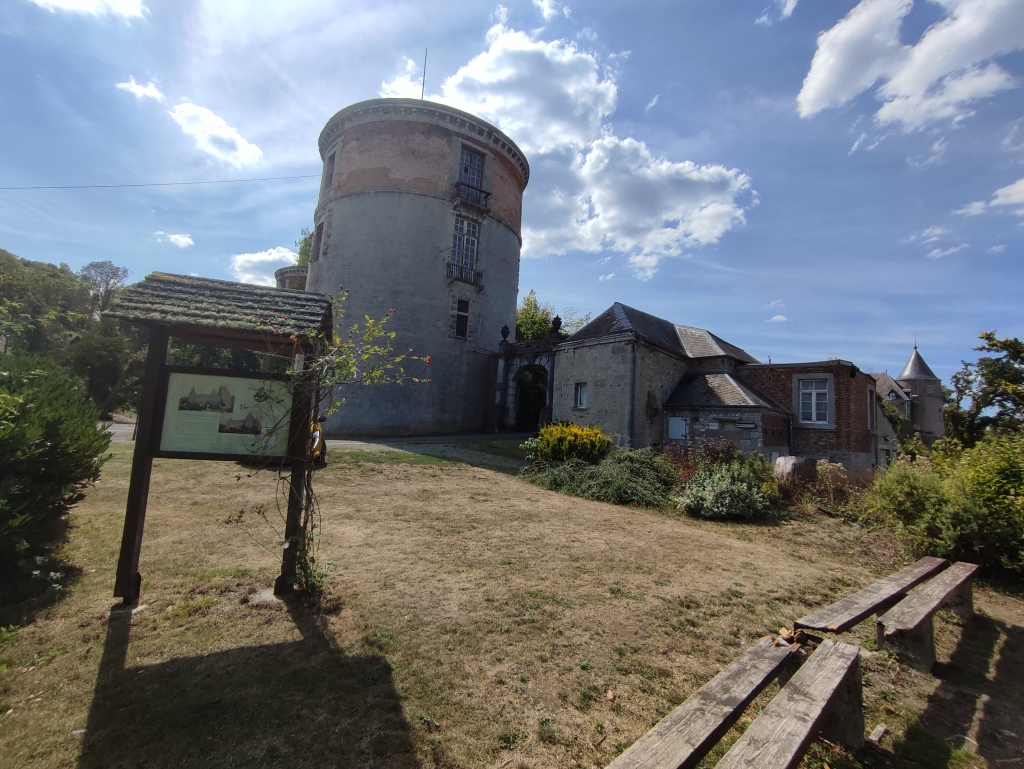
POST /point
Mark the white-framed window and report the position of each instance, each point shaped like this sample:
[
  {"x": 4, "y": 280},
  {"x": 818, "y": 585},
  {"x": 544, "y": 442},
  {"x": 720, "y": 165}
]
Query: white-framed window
[
  {"x": 929, "y": 388},
  {"x": 814, "y": 400},
  {"x": 579, "y": 399},
  {"x": 678, "y": 428},
  {"x": 464, "y": 243}
]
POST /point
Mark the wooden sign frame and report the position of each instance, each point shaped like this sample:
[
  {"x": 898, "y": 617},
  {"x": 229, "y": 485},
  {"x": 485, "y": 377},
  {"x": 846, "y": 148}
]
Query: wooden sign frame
[{"x": 160, "y": 412}]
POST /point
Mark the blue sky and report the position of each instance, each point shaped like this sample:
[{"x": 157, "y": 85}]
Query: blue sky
[{"x": 806, "y": 179}]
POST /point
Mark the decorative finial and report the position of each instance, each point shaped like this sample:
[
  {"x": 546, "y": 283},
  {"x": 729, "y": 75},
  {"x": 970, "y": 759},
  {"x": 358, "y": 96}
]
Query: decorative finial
[
  {"x": 505, "y": 331},
  {"x": 556, "y": 324}
]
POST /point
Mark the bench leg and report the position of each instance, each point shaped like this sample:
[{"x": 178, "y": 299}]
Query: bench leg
[
  {"x": 844, "y": 719},
  {"x": 961, "y": 603},
  {"x": 917, "y": 648}
]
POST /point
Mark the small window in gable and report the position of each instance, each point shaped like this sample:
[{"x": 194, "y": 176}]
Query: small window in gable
[{"x": 462, "y": 319}]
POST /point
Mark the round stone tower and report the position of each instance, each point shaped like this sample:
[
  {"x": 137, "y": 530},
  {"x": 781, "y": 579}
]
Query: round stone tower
[
  {"x": 420, "y": 211},
  {"x": 925, "y": 390}
]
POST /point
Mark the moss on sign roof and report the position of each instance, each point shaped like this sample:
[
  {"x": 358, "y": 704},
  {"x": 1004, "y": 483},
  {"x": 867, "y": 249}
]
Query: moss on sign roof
[{"x": 184, "y": 300}]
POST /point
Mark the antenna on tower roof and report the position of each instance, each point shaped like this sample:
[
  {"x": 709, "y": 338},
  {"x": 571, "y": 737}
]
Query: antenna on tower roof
[{"x": 423, "y": 82}]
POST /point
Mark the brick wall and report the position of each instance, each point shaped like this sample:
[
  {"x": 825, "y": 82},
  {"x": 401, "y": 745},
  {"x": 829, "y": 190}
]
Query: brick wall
[{"x": 850, "y": 440}]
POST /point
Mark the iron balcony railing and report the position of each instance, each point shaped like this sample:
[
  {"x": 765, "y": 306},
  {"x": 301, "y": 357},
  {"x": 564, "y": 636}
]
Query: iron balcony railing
[
  {"x": 472, "y": 195},
  {"x": 465, "y": 274}
]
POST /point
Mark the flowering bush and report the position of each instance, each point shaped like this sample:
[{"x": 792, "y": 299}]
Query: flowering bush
[{"x": 564, "y": 440}]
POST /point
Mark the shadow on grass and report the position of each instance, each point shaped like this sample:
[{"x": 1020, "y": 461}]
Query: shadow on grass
[
  {"x": 36, "y": 580},
  {"x": 299, "y": 704},
  {"x": 970, "y": 708}
]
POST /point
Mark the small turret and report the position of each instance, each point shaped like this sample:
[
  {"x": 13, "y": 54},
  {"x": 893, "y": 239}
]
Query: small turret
[{"x": 925, "y": 390}]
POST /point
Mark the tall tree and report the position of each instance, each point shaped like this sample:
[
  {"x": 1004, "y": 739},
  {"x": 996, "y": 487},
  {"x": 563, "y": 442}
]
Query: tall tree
[
  {"x": 304, "y": 247},
  {"x": 989, "y": 394},
  {"x": 42, "y": 305},
  {"x": 533, "y": 319},
  {"x": 106, "y": 279}
]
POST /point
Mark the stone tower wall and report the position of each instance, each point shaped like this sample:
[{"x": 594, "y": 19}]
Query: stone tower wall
[{"x": 383, "y": 230}]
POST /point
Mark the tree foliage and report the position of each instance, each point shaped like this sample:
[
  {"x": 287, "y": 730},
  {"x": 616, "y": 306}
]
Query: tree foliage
[
  {"x": 42, "y": 306},
  {"x": 533, "y": 319},
  {"x": 105, "y": 279},
  {"x": 987, "y": 396},
  {"x": 304, "y": 247}
]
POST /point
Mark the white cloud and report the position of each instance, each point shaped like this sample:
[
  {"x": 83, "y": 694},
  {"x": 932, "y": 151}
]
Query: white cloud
[
  {"x": 997, "y": 249},
  {"x": 1010, "y": 195},
  {"x": 938, "y": 150},
  {"x": 545, "y": 94},
  {"x": 776, "y": 303},
  {"x": 548, "y": 8},
  {"x": 125, "y": 8},
  {"x": 928, "y": 235},
  {"x": 976, "y": 208},
  {"x": 651, "y": 104},
  {"x": 777, "y": 319},
  {"x": 619, "y": 196},
  {"x": 935, "y": 79},
  {"x": 938, "y": 253},
  {"x": 181, "y": 240},
  {"x": 259, "y": 268},
  {"x": 406, "y": 85},
  {"x": 149, "y": 90},
  {"x": 786, "y": 8},
  {"x": 609, "y": 276},
  {"x": 764, "y": 19},
  {"x": 214, "y": 136}
]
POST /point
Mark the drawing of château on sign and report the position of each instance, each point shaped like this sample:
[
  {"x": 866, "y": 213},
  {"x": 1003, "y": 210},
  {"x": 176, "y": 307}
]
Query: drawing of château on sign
[
  {"x": 220, "y": 399},
  {"x": 250, "y": 425}
]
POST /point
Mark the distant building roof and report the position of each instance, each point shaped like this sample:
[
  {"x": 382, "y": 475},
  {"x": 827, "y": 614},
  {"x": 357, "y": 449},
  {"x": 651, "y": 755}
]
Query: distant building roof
[
  {"x": 916, "y": 368},
  {"x": 685, "y": 340},
  {"x": 718, "y": 389},
  {"x": 885, "y": 384},
  {"x": 192, "y": 303}
]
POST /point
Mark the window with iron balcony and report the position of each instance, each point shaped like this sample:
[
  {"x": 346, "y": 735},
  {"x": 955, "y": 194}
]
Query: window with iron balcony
[{"x": 462, "y": 264}]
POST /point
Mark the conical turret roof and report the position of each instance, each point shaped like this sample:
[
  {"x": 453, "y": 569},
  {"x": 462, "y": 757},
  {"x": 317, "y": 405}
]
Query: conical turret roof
[{"x": 916, "y": 368}]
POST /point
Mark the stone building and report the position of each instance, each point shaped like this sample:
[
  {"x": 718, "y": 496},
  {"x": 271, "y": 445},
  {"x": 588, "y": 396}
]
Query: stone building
[
  {"x": 647, "y": 381},
  {"x": 420, "y": 211}
]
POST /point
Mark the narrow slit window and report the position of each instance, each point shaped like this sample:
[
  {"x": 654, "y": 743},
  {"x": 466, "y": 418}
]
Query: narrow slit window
[
  {"x": 318, "y": 239},
  {"x": 462, "y": 319},
  {"x": 328, "y": 181}
]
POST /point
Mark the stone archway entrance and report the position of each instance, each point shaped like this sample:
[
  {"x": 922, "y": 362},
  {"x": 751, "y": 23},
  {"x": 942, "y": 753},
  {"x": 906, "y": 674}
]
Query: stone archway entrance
[{"x": 531, "y": 397}]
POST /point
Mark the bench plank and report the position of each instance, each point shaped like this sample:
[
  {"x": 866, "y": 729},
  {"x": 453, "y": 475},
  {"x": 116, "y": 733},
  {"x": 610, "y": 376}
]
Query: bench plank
[
  {"x": 926, "y": 600},
  {"x": 824, "y": 692},
  {"x": 875, "y": 598},
  {"x": 909, "y": 626},
  {"x": 684, "y": 736}
]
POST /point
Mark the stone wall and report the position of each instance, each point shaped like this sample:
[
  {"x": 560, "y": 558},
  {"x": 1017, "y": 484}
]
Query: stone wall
[
  {"x": 607, "y": 368},
  {"x": 658, "y": 373}
]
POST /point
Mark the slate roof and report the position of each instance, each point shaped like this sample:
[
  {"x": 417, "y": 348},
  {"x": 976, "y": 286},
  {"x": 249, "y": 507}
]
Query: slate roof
[
  {"x": 186, "y": 301},
  {"x": 916, "y": 368},
  {"x": 718, "y": 389},
  {"x": 684, "y": 340}
]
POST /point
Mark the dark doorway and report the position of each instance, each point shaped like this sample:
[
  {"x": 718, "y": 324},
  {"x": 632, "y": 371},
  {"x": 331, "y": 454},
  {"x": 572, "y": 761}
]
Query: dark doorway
[{"x": 531, "y": 397}]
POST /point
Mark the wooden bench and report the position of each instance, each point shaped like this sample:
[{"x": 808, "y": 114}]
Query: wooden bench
[
  {"x": 685, "y": 735},
  {"x": 874, "y": 599},
  {"x": 823, "y": 697},
  {"x": 909, "y": 628}
]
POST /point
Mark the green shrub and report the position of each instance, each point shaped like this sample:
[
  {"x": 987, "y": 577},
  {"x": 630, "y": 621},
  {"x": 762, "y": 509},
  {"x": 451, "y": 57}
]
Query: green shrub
[
  {"x": 624, "y": 477},
  {"x": 960, "y": 504},
  {"x": 740, "y": 490},
  {"x": 565, "y": 440},
  {"x": 50, "y": 447}
]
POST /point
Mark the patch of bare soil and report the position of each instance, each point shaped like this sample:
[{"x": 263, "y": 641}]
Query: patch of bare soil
[{"x": 472, "y": 620}]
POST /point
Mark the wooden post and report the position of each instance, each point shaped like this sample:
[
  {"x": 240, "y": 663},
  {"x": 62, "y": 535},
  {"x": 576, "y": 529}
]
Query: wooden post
[
  {"x": 298, "y": 449},
  {"x": 128, "y": 582}
]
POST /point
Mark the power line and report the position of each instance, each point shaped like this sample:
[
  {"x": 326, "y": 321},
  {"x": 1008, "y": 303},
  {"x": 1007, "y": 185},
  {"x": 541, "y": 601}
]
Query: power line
[{"x": 157, "y": 184}]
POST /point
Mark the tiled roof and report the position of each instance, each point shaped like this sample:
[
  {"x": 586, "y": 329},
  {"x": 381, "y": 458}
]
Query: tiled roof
[
  {"x": 184, "y": 300},
  {"x": 685, "y": 340},
  {"x": 916, "y": 368},
  {"x": 718, "y": 389}
]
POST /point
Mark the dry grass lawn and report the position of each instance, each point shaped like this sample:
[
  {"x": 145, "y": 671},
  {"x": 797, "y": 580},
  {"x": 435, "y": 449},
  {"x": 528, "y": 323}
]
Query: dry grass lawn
[{"x": 473, "y": 620}]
